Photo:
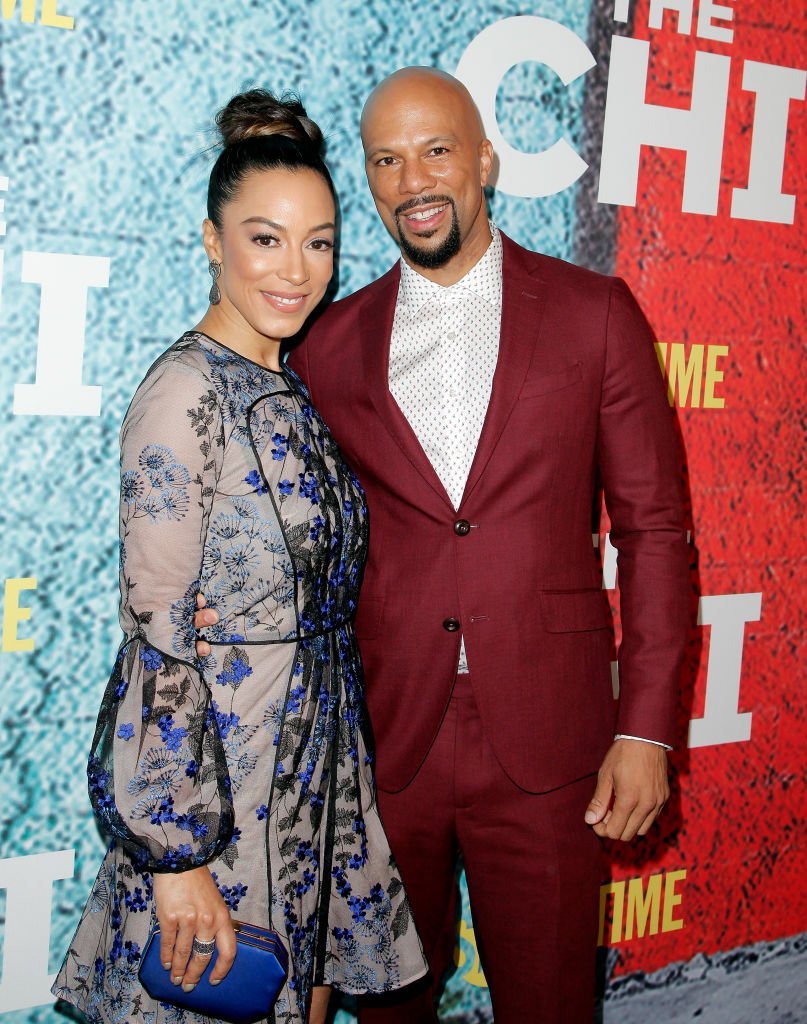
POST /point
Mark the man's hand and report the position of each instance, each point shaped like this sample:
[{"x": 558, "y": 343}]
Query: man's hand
[
  {"x": 632, "y": 788},
  {"x": 203, "y": 617}
]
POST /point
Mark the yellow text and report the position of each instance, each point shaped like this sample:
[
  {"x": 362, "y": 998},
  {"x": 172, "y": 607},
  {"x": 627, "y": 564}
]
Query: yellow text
[
  {"x": 48, "y": 14},
  {"x": 473, "y": 973},
  {"x": 693, "y": 375},
  {"x": 638, "y": 907},
  {"x": 14, "y": 614}
]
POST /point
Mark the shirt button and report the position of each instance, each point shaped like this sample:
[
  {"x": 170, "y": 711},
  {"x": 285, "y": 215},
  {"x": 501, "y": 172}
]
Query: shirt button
[
  {"x": 451, "y": 625},
  {"x": 462, "y": 527},
  {"x": 451, "y": 335}
]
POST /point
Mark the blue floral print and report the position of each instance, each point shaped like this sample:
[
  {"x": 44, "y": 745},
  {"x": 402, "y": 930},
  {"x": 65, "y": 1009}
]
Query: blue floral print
[{"x": 254, "y": 759}]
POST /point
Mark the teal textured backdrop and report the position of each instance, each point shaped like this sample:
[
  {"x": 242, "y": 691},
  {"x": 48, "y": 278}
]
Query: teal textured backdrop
[{"x": 105, "y": 133}]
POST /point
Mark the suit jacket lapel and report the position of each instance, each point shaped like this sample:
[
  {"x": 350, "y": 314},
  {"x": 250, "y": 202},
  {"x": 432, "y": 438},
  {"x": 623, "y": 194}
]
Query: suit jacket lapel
[
  {"x": 523, "y": 299},
  {"x": 376, "y": 320}
]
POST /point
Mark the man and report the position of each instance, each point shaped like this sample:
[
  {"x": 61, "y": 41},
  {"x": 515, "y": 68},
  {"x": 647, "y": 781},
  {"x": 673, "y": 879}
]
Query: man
[{"x": 482, "y": 392}]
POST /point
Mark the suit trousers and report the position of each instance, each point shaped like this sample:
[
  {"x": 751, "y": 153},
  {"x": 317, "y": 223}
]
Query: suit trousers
[{"x": 533, "y": 869}]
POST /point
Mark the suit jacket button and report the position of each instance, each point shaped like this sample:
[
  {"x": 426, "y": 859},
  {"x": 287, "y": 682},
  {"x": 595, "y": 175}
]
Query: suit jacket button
[
  {"x": 462, "y": 527},
  {"x": 451, "y": 625}
]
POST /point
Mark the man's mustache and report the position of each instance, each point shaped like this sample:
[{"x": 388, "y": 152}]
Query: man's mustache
[{"x": 413, "y": 204}]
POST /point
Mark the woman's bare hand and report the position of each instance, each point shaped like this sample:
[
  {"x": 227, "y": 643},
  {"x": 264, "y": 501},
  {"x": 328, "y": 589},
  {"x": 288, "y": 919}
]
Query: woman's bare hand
[{"x": 190, "y": 905}]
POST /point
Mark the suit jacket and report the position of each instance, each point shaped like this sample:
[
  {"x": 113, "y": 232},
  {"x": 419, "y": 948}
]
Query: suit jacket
[{"x": 577, "y": 399}]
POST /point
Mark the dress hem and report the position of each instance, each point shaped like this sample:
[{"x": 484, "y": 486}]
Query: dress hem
[
  {"x": 377, "y": 992},
  {"x": 59, "y": 997}
]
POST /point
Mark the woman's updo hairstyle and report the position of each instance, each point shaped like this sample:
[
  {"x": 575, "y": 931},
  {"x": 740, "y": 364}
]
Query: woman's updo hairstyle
[{"x": 260, "y": 132}]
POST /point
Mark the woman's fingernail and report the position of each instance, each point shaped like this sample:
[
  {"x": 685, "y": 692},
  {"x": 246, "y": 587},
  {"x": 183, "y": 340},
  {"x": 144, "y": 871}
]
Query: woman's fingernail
[
  {"x": 188, "y": 988},
  {"x": 176, "y": 981},
  {"x": 216, "y": 982},
  {"x": 167, "y": 965}
]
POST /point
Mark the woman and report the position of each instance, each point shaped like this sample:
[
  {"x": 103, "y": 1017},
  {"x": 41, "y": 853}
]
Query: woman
[{"x": 241, "y": 782}]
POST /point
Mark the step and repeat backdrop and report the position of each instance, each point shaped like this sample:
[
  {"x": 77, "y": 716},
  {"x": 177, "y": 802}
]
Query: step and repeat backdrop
[{"x": 661, "y": 141}]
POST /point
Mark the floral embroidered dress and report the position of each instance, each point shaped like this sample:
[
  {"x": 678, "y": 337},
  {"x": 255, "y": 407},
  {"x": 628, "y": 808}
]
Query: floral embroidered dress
[{"x": 253, "y": 760}]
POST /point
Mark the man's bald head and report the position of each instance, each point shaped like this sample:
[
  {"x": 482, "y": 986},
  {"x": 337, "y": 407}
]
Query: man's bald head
[
  {"x": 414, "y": 86},
  {"x": 427, "y": 162}
]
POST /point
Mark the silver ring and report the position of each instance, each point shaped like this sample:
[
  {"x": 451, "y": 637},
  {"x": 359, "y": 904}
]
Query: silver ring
[{"x": 201, "y": 948}]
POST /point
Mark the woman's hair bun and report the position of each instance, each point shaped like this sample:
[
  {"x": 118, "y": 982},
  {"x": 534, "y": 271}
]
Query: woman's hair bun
[
  {"x": 260, "y": 132},
  {"x": 258, "y": 112}
]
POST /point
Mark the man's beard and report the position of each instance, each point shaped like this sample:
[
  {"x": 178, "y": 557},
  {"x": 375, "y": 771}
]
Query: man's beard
[{"x": 430, "y": 259}]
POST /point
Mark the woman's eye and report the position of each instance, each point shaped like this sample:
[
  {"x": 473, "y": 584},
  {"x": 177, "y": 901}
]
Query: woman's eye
[
  {"x": 322, "y": 244},
  {"x": 265, "y": 240}
]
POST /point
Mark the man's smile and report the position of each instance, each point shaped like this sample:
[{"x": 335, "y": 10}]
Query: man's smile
[{"x": 425, "y": 217}]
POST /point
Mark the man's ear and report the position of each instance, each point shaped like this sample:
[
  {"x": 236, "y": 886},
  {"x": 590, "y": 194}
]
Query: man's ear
[
  {"x": 485, "y": 160},
  {"x": 211, "y": 240}
]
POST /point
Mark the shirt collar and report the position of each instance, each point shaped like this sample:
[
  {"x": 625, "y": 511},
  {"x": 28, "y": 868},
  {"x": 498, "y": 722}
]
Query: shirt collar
[{"x": 483, "y": 279}]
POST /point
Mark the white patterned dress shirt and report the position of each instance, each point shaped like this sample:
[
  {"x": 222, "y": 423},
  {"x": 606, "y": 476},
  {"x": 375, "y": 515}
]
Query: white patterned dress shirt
[{"x": 443, "y": 352}]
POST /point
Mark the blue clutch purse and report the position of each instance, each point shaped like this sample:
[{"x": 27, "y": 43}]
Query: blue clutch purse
[{"x": 244, "y": 996}]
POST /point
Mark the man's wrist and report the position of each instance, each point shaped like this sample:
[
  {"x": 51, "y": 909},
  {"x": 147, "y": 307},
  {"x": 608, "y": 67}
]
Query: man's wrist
[{"x": 641, "y": 739}]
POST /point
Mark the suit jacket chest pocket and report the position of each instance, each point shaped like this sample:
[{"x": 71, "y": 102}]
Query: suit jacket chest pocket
[{"x": 536, "y": 385}]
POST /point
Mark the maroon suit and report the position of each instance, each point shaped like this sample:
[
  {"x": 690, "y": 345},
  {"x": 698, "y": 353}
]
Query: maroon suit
[{"x": 577, "y": 400}]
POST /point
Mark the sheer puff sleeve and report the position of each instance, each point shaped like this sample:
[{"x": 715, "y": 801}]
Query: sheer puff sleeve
[{"x": 157, "y": 771}]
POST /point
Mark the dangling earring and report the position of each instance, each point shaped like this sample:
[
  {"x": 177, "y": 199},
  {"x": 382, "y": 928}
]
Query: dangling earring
[{"x": 214, "y": 269}]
